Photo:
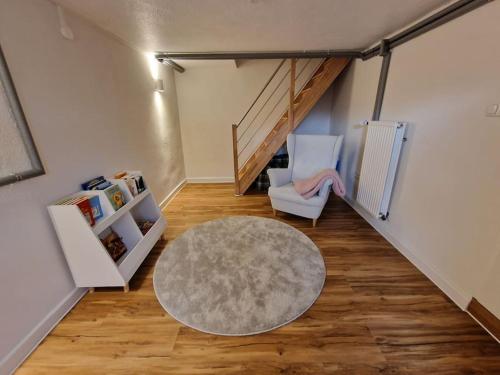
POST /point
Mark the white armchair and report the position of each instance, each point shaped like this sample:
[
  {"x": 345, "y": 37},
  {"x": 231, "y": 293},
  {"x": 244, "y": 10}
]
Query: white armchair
[{"x": 308, "y": 154}]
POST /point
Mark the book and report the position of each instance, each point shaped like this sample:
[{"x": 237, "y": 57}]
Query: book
[
  {"x": 95, "y": 205},
  {"x": 83, "y": 203},
  {"x": 98, "y": 183},
  {"x": 63, "y": 201},
  {"x": 115, "y": 196},
  {"x": 89, "y": 185},
  {"x": 139, "y": 183},
  {"x": 141, "y": 186},
  {"x": 114, "y": 245},
  {"x": 130, "y": 181},
  {"x": 145, "y": 226},
  {"x": 120, "y": 175},
  {"x": 84, "y": 206},
  {"x": 102, "y": 186}
]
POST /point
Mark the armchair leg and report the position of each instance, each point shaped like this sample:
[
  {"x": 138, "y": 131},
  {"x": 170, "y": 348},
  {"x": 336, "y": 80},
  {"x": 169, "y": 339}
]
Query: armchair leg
[
  {"x": 275, "y": 213},
  {"x": 314, "y": 222}
]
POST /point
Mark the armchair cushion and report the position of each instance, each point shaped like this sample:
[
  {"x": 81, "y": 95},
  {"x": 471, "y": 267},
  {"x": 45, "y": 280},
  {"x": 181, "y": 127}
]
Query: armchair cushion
[
  {"x": 287, "y": 193},
  {"x": 279, "y": 176}
]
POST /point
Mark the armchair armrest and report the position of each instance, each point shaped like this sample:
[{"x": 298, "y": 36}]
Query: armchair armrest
[
  {"x": 279, "y": 176},
  {"x": 325, "y": 189}
]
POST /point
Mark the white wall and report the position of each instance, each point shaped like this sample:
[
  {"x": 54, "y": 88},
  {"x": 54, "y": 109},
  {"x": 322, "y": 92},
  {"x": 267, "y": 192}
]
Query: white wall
[
  {"x": 488, "y": 292},
  {"x": 213, "y": 96},
  {"x": 91, "y": 108},
  {"x": 319, "y": 120},
  {"x": 353, "y": 102},
  {"x": 445, "y": 208}
]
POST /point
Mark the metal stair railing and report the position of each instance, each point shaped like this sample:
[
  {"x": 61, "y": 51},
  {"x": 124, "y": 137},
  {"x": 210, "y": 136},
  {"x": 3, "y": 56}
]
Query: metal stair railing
[{"x": 268, "y": 108}]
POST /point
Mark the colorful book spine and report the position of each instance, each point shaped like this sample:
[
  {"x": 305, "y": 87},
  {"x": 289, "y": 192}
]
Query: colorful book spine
[{"x": 83, "y": 203}]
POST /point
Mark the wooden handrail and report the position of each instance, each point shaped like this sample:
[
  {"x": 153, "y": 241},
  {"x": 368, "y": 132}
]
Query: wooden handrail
[
  {"x": 235, "y": 160},
  {"x": 293, "y": 65}
]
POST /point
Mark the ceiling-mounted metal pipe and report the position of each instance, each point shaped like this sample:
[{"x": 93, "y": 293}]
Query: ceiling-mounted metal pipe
[
  {"x": 447, "y": 14},
  {"x": 453, "y": 11},
  {"x": 257, "y": 55},
  {"x": 384, "y": 73},
  {"x": 173, "y": 64}
]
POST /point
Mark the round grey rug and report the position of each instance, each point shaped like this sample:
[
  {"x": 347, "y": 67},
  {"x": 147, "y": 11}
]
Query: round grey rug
[{"x": 239, "y": 275}]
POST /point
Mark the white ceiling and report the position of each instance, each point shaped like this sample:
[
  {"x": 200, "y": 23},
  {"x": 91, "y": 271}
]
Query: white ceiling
[{"x": 251, "y": 25}]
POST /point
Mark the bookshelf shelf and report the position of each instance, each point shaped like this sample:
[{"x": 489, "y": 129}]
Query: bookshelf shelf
[
  {"x": 106, "y": 221},
  {"x": 88, "y": 259}
]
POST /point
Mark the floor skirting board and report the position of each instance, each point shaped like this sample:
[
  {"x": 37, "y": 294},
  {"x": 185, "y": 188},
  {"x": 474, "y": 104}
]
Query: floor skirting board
[
  {"x": 164, "y": 203},
  {"x": 459, "y": 297},
  {"x": 210, "y": 180},
  {"x": 29, "y": 343}
]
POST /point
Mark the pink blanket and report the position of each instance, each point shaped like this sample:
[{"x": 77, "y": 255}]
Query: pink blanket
[{"x": 310, "y": 186}]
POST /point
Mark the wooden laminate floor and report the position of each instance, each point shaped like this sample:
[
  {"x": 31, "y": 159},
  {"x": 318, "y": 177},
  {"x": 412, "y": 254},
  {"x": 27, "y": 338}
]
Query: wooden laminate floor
[{"x": 376, "y": 314}]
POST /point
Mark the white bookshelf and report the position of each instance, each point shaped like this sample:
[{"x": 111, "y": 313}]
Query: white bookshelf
[{"x": 89, "y": 261}]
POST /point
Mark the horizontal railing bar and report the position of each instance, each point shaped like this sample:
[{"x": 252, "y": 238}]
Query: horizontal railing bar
[
  {"x": 263, "y": 122},
  {"x": 297, "y": 76},
  {"x": 240, "y": 151},
  {"x": 269, "y": 98},
  {"x": 258, "y": 55},
  {"x": 262, "y": 91},
  {"x": 263, "y": 105}
]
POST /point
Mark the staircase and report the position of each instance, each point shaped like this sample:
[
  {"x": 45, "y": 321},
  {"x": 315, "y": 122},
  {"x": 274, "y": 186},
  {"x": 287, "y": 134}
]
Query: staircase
[{"x": 274, "y": 114}]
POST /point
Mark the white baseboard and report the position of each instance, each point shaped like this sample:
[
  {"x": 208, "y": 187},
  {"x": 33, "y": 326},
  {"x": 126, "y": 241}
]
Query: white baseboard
[
  {"x": 29, "y": 343},
  {"x": 210, "y": 180},
  {"x": 458, "y": 296},
  {"x": 164, "y": 203}
]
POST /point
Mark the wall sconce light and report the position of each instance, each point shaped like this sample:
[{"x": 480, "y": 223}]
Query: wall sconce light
[
  {"x": 65, "y": 30},
  {"x": 159, "y": 85}
]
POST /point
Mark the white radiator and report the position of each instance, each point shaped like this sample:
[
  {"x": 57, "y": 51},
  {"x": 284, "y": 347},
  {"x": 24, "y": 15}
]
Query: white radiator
[{"x": 378, "y": 169}]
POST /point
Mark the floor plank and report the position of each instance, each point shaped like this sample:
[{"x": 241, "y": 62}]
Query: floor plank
[{"x": 377, "y": 313}]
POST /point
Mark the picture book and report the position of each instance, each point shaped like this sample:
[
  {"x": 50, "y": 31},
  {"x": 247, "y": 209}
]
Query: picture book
[
  {"x": 131, "y": 185},
  {"x": 134, "y": 182},
  {"x": 95, "y": 205},
  {"x": 98, "y": 183},
  {"x": 115, "y": 196},
  {"x": 84, "y": 206},
  {"x": 89, "y": 185}
]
